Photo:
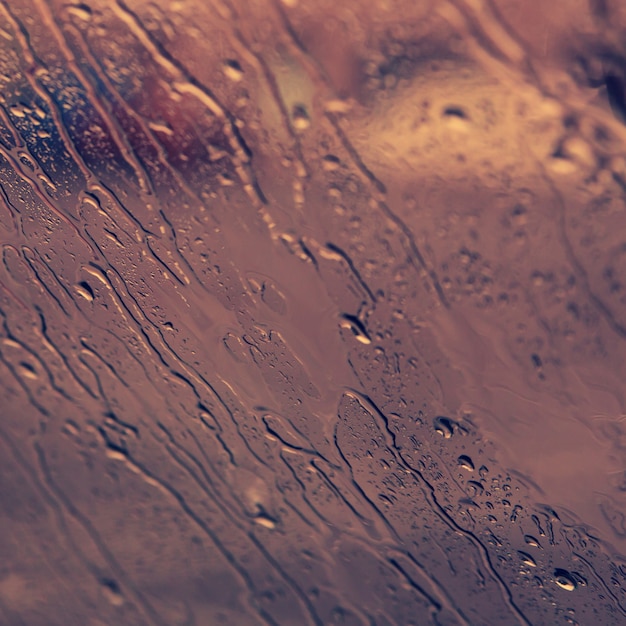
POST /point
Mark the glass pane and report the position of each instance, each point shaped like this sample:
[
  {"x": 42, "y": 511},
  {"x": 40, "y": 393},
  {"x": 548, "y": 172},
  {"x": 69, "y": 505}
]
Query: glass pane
[{"x": 312, "y": 312}]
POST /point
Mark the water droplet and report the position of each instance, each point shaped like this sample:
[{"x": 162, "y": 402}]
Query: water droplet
[
  {"x": 27, "y": 370},
  {"x": 233, "y": 70},
  {"x": 476, "y": 487},
  {"x": 262, "y": 517},
  {"x": 456, "y": 119},
  {"x": 357, "y": 328},
  {"x": 444, "y": 426},
  {"x": 115, "y": 454},
  {"x": 81, "y": 11},
  {"x": 85, "y": 290},
  {"x": 564, "y": 579},
  {"x": 111, "y": 591},
  {"x": 17, "y": 111},
  {"x": 515, "y": 512},
  {"x": 71, "y": 428},
  {"x": 454, "y": 111},
  {"x": 300, "y": 117},
  {"x": 466, "y": 462},
  {"x": 330, "y": 163},
  {"x": 527, "y": 559}
]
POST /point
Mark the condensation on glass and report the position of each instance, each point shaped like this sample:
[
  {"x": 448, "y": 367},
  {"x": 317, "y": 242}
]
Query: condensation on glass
[{"x": 312, "y": 312}]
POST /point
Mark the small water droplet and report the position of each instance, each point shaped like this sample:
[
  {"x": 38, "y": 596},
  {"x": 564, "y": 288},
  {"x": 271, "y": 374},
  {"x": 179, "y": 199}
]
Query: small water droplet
[
  {"x": 564, "y": 579},
  {"x": 262, "y": 519},
  {"x": 515, "y": 513},
  {"x": 112, "y": 592},
  {"x": 466, "y": 462},
  {"x": 27, "y": 370},
  {"x": 330, "y": 163},
  {"x": 233, "y": 70},
  {"x": 476, "y": 487},
  {"x": 71, "y": 428},
  {"x": 300, "y": 117},
  {"x": 357, "y": 328},
  {"x": 527, "y": 559},
  {"x": 454, "y": 111}
]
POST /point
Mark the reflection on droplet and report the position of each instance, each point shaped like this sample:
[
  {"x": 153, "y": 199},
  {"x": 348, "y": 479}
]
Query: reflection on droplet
[
  {"x": 115, "y": 454},
  {"x": 466, "y": 462},
  {"x": 531, "y": 541},
  {"x": 263, "y": 519},
  {"x": 564, "y": 579}
]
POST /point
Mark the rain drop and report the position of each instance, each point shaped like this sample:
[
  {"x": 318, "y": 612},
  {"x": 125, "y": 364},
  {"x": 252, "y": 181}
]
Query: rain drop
[
  {"x": 475, "y": 487},
  {"x": 354, "y": 324},
  {"x": 27, "y": 370},
  {"x": 112, "y": 592},
  {"x": 85, "y": 290},
  {"x": 233, "y": 70},
  {"x": 564, "y": 580},
  {"x": 330, "y": 163},
  {"x": 466, "y": 462},
  {"x": 81, "y": 11},
  {"x": 527, "y": 559},
  {"x": 300, "y": 117},
  {"x": 444, "y": 426}
]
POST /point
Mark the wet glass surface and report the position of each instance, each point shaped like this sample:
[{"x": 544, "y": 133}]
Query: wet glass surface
[{"x": 312, "y": 312}]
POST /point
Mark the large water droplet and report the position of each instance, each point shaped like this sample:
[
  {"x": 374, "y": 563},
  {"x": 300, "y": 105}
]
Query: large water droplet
[
  {"x": 444, "y": 426},
  {"x": 466, "y": 462},
  {"x": 85, "y": 290},
  {"x": 564, "y": 579},
  {"x": 475, "y": 487}
]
